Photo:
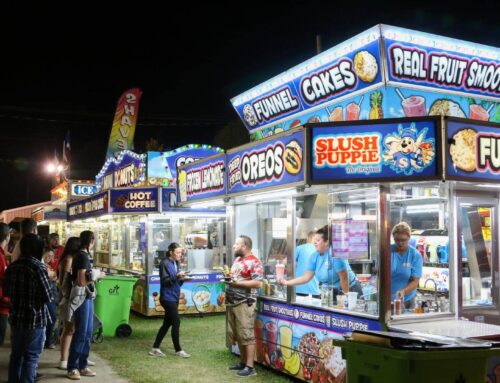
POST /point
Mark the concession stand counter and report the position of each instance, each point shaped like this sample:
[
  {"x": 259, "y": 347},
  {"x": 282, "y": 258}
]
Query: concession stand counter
[
  {"x": 135, "y": 217},
  {"x": 361, "y": 175}
]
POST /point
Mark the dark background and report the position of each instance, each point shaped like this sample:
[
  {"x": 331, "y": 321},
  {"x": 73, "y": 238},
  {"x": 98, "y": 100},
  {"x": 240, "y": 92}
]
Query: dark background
[{"x": 64, "y": 69}]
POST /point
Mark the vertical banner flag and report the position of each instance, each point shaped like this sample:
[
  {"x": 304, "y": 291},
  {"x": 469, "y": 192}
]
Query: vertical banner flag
[
  {"x": 123, "y": 129},
  {"x": 66, "y": 156}
]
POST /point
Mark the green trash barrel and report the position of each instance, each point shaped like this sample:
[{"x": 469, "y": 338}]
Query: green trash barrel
[
  {"x": 369, "y": 363},
  {"x": 112, "y": 304}
]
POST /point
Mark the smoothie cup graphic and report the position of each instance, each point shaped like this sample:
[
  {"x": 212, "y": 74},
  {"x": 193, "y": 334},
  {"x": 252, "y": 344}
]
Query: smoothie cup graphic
[
  {"x": 477, "y": 112},
  {"x": 286, "y": 341},
  {"x": 182, "y": 186},
  {"x": 259, "y": 336},
  {"x": 336, "y": 114},
  {"x": 414, "y": 106},
  {"x": 352, "y": 112},
  {"x": 271, "y": 336}
]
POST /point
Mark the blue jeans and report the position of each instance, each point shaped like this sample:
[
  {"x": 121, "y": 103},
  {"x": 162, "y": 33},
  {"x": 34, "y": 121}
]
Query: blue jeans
[
  {"x": 80, "y": 344},
  {"x": 27, "y": 345},
  {"x": 49, "y": 334}
]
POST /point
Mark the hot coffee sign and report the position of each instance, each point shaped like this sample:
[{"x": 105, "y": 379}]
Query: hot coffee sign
[{"x": 137, "y": 200}]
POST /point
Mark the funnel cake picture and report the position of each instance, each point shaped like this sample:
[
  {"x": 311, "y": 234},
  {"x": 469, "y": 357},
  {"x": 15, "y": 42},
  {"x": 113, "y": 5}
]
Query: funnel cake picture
[
  {"x": 365, "y": 66},
  {"x": 463, "y": 150}
]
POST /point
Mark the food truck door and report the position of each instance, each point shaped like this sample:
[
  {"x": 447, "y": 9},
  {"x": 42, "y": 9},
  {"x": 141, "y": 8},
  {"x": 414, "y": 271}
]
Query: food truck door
[{"x": 477, "y": 254}]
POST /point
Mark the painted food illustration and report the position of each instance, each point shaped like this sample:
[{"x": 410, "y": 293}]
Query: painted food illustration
[
  {"x": 365, "y": 66},
  {"x": 332, "y": 359},
  {"x": 463, "y": 150},
  {"x": 201, "y": 297},
  {"x": 293, "y": 157},
  {"x": 309, "y": 353},
  {"x": 445, "y": 107}
]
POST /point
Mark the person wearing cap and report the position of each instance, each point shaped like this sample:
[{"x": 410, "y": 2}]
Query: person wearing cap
[
  {"x": 4, "y": 301},
  {"x": 27, "y": 284}
]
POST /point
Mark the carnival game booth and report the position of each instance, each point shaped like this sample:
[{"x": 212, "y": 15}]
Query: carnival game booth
[
  {"x": 135, "y": 222},
  {"x": 361, "y": 178}
]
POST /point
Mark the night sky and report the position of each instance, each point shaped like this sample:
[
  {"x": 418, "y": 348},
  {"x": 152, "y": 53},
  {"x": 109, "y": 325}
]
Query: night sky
[{"x": 64, "y": 69}]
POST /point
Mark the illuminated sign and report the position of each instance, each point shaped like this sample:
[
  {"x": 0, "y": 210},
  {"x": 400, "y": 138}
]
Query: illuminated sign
[
  {"x": 473, "y": 150},
  {"x": 126, "y": 170},
  {"x": 360, "y": 151},
  {"x": 266, "y": 164},
  {"x": 205, "y": 178},
  {"x": 83, "y": 189},
  {"x": 89, "y": 207},
  {"x": 138, "y": 200}
]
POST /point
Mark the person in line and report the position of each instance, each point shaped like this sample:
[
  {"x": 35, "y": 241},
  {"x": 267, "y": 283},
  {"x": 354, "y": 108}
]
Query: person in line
[
  {"x": 27, "y": 285},
  {"x": 28, "y": 226},
  {"x": 83, "y": 317},
  {"x": 66, "y": 282},
  {"x": 241, "y": 297},
  {"x": 406, "y": 266},
  {"x": 57, "y": 249},
  {"x": 48, "y": 260},
  {"x": 305, "y": 261},
  {"x": 171, "y": 280},
  {"x": 4, "y": 301},
  {"x": 332, "y": 271}
]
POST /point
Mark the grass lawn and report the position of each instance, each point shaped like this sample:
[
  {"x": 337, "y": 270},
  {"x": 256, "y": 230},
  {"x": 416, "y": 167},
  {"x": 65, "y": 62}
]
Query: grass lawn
[{"x": 203, "y": 338}]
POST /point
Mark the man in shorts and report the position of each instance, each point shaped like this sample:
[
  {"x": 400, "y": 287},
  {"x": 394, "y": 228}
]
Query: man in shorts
[{"x": 241, "y": 298}]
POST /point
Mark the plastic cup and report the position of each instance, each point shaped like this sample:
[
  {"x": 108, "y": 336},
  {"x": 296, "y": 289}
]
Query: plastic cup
[
  {"x": 414, "y": 106},
  {"x": 271, "y": 336},
  {"x": 280, "y": 271},
  {"x": 336, "y": 115},
  {"x": 352, "y": 299},
  {"x": 340, "y": 301},
  {"x": 286, "y": 341},
  {"x": 259, "y": 336},
  {"x": 477, "y": 112},
  {"x": 352, "y": 112}
]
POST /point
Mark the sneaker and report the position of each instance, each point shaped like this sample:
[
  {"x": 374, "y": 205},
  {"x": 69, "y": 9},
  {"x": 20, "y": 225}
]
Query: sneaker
[
  {"x": 73, "y": 375},
  {"x": 156, "y": 352},
  {"x": 90, "y": 363},
  {"x": 237, "y": 367},
  {"x": 63, "y": 365},
  {"x": 183, "y": 354},
  {"x": 87, "y": 372},
  {"x": 51, "y": 346},
  {"x": 247, "y": 371}
]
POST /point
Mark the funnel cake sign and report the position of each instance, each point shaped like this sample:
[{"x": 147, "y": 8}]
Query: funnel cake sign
[
  {"x": 473, "y": 151},
  {"x": 373, "y": 151}
]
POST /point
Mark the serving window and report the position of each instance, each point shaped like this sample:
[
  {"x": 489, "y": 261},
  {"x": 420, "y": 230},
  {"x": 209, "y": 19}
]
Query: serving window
[{"x": 425, "y": 208}]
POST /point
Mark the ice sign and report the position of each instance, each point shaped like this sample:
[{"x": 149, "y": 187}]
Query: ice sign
[{"x": 83, "y": 189}]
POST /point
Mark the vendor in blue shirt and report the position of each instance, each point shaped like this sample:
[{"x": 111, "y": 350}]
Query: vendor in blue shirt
[
  {"x": 406, "y": 266},
  {"x": 327, "y": 270},
  {"x": 305, "y": 263}
]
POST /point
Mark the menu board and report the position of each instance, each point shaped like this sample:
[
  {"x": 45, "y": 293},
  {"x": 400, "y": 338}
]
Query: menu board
[{"x": 350, "y": 239}]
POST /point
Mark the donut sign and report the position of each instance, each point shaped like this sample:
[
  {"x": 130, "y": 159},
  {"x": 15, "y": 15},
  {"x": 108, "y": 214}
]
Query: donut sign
[{"x": 267, "y": 164}]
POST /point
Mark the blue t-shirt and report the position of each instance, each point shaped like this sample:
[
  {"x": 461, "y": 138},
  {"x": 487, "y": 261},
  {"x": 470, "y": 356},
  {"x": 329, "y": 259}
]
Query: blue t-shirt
[
  {"x": 327, "y": 269},
  {"x": 402, "y": 268},
  {"x": 305, "y": 260}
]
